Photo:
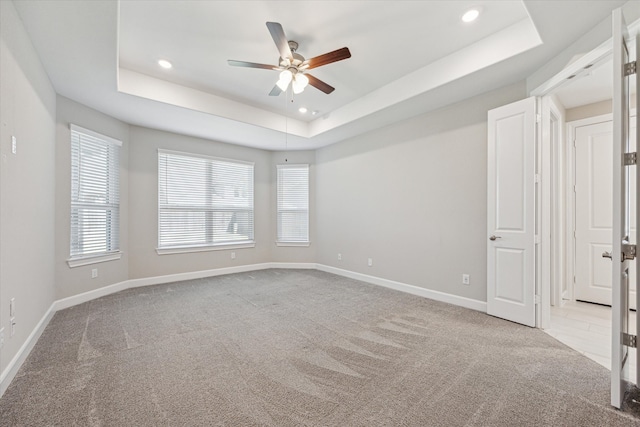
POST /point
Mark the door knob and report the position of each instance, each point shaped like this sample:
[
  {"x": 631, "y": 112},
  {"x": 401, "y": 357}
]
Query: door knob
[
  {"x": 492, "y": 238},
  {"x": 606, "y": 255}
]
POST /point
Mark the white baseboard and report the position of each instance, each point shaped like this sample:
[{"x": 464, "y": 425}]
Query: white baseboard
[
  {"x": 12, "y": 369},
  {"x": 410, "y": 289},
  {"x": 177, "y": 277}
]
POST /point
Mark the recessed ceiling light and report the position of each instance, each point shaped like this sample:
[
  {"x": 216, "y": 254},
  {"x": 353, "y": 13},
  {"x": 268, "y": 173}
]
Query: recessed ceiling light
[
  {"x": 314, "y": 112},
  {"x": 165, "y": 64},
  {"x": 470, "y": 15},
  {"x": 302, "y": 110}
]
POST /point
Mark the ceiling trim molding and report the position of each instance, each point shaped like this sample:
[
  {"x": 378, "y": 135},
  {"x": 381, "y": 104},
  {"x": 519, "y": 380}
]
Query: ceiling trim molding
[{"x": 493, "y": 49}]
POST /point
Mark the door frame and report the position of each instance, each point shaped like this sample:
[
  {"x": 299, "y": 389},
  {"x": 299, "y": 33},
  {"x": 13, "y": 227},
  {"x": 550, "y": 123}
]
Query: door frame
[
  {"x": 553, "y": 210},
  {"x": 546, "y": 217},
  {"x": 556, "y": 128},
  {"x": 570, "y": 200}
]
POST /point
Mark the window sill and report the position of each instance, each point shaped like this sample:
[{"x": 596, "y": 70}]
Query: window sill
[
  {"x": 299, "y": 244},
  {"x": 222, "y": 247},
  {"x": 80, "y": 261}
]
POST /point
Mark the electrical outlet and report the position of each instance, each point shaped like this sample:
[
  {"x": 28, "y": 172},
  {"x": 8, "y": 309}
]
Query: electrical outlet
[
  {"x": 233, "y": 255},
  {"x": 94, "y": 273},
  {"x": 1, "y": 337},
  {"x": 370, "y": 262},
  {"x": 12, "y": 323},
  {"x": 12, "y": 307},
  {"x": 339, "y": 257},
  {"x": 465, "y": 279}
]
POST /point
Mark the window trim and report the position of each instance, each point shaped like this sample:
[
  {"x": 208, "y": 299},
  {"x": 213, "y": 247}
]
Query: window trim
[
  {"x": 298, "y": 244},
  {"x": 93, "y": 259},
  {"x": 86, "y": 259},
  {"x": 169, "y": 250},
  {"x": 207, "y": 248},
  {"x": 284, "y": 243},
  {"x": 95, "y": 134}
]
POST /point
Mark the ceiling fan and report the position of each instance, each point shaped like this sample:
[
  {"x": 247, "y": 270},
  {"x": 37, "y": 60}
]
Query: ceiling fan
[{"x": 293, "y": 66}]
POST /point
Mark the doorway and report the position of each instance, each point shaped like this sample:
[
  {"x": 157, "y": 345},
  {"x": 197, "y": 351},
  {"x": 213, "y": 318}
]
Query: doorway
[
  {"x": 580, "y": 295},
  {"x": 592, "y": 139}
]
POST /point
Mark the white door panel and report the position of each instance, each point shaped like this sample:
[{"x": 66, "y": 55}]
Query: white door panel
[
  {"x": 635, "y": 140},
  {"x": 594, "y": 216},
  {"x": 511, "y": 212}
]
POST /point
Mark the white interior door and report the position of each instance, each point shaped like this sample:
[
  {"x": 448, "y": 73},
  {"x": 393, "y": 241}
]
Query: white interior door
[
  {"x": 593, "y": 222},
  {"x": 511, "y": 212},
  {"x": 621, "y": 210},
  {"x": 636, "y": 191}
]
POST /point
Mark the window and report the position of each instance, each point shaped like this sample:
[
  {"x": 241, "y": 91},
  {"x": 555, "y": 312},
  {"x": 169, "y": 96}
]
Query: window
[
  {"x": 203, "y": 201},
  {"x": 95, "y": 194},
  {"x": 293, "y": 204}
]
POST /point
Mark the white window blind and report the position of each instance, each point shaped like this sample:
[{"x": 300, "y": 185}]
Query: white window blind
[
  {"x": 203, "y": 201},
  {"x": 293, "y": 203},
  {"x": 95, "y": 193}
]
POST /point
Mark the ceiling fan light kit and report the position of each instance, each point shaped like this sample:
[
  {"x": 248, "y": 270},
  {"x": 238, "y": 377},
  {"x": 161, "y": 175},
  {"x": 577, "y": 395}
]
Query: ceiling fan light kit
[
  {"x": 285, "y": 78},
  {"x": 293, "y": 66},
  {"x": 300, "y": 81}
]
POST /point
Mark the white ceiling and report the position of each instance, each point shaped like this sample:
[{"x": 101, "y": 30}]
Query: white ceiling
[
  {"x": 408, "y": 57},
  {"x": 383, "y": 48}
]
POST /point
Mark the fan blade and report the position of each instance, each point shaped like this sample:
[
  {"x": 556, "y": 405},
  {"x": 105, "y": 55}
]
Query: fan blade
[
  {"x": 319, "y": 84},
  {"x": 328, "y": 58},
  {"x": 251, "y": 65},
  {"x": 275, "y": 91},
  {"x": 277, "y": 33}
]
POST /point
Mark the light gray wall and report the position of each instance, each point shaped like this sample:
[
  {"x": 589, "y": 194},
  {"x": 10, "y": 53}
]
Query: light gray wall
[
  {"x": 412, "y": 197},
  {"x": 143, "y": 205},
  {"x": 27, "y": 111},
  {"x": 592, "y": 110},
  {"x": 73, "y": 281},
  {"x": 589, "y": 110},
  {"x": 291, "y": 253}
]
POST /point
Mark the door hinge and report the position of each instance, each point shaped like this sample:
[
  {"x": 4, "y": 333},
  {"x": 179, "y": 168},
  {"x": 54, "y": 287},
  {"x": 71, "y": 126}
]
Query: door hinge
[
  {"x": 539, "y": 116},
  {"x": 629, "y": 68},
  {"x": 630, "y": 159},
  {"x": 628, "y": 252},
  {"x": 537, "y": 239},
  {"x": 536, "y": 177},
  {"x": 537, "y": 299},
  {"x": 629, "y": 340}
]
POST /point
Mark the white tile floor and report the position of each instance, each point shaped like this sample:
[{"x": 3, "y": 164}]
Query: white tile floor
[{"x": 587, "y": 328}]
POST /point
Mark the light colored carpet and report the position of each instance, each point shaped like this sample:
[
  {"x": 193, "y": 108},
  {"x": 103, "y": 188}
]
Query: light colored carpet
[{"x": 298, "y": 348}]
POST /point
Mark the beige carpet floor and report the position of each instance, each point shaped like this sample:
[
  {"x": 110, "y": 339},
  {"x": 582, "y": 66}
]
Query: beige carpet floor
[{"x": 298, "y": 348}]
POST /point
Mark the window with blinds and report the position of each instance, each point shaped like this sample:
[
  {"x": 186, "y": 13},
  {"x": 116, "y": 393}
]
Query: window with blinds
[
  {"x": 95, "y": 193},
  {"x": 293, "y": 203},
  {"x": 203, "y": 201}
]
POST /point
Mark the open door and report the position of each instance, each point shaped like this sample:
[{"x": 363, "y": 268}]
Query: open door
[
  {"x": 637, "y": 144},
  {"x": 511, "y": 212},
  {"x": 622, "y": 249}
]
